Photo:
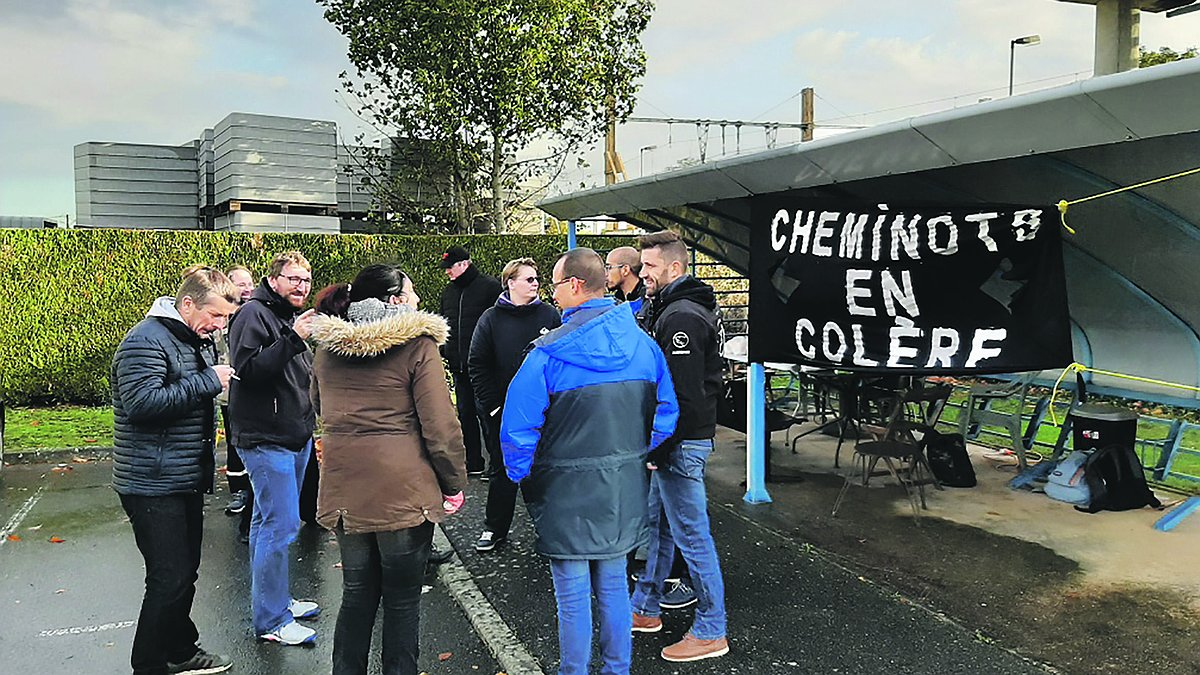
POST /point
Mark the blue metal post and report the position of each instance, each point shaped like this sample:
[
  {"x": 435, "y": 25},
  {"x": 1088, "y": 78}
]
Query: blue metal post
[
  {"x": 756, "y": 435},
  {"x": 570, "y": 234}
]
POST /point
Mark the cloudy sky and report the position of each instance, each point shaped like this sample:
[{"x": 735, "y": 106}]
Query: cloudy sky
[{"x": 160, "y": 71}]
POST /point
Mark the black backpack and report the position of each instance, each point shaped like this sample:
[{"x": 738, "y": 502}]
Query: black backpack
[
  {"x": 1116, "y": 480},
  {"x": 948, "y": 458}
]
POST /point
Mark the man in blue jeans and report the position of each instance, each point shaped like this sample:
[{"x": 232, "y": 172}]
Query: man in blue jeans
[
  {"x": 681, "y": 315},
  {"x": 271, "y": 419},
  {"x": 591, "y": 398}
]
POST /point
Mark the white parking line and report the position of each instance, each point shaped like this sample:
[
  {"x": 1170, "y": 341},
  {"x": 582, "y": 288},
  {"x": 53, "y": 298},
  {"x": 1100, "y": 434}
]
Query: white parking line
[
  {"x": 81, "y": 630},
  {"x": 15, "y": 521},
  {"x": 514, "y": 658}
]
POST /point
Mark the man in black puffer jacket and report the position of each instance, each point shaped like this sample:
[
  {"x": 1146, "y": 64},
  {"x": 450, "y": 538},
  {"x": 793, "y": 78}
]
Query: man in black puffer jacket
[
  {"x": 468, "y": 295},
  {"x": 163, "y": 388}
]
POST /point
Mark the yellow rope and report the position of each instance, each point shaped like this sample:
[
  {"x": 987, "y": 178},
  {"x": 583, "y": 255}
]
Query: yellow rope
[
  {"x": 1064, "y": 204},
  {"x": 1079, "y": 367}
]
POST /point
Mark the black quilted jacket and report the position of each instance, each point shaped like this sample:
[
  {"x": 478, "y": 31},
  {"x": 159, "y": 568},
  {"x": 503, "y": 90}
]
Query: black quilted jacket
[{"x": 163, "y": 389}]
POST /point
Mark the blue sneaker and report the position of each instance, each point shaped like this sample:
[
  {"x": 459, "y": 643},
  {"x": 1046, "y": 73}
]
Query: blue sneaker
[{"x": 677, "y": 595}]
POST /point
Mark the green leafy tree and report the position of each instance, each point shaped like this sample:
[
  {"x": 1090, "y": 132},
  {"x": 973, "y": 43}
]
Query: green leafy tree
[
  {"x": 477, "y": 81},
  {"x": 1147, "y": 58}
]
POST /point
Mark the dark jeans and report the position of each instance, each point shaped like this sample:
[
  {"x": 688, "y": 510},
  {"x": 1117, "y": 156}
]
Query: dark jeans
[
  {"x": 308, "y": 491},
  {"x": 237, "y": 475},
  {"x": 491, "y": 443},
  {"x": 168, "y": 531},
  {"x": 387, "y": 565},
  {"x": 468, "y": 417},
  {"x": 502, "y": 492},
  {"x": 235, "y": 470}
]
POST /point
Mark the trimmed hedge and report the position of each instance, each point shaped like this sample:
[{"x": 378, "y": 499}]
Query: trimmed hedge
[{"x": 72, "y": 294}]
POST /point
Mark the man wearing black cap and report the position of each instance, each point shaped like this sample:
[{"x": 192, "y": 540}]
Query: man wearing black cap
[{"x": 465, "y": 299}]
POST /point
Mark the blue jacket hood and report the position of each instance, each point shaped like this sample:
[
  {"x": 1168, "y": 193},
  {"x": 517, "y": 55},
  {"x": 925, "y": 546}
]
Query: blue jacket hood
[{"x": 577, "y": 343}]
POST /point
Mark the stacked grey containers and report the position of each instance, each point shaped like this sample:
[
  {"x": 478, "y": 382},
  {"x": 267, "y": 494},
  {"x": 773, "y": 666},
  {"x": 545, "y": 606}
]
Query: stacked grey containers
[
  {"x": 286, "y": 168},
  {"x": 26, "y": 222},
  {"x": 136, "y": 186},
  {"x": 248, "y": 173},
  {"x": 353, "y": 190},
  {"x": 279, "y": 160},
  {"x": 204, "y": 174}
]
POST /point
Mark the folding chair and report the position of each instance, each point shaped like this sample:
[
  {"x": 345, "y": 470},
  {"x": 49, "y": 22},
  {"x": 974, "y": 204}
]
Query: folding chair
[
  {"x": 978, "y": 412},
  {"x": 900, "y": 446}
]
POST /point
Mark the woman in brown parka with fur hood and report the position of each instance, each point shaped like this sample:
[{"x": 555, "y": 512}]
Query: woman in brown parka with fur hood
[{"x": 393, "y": 461}]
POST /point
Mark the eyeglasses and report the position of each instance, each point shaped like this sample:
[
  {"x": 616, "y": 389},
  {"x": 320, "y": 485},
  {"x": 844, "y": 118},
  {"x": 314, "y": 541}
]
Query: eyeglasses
[
  {"x": 299, "y": 281},
  {"x": 556, "y": 284},
  {"x": 609, "y": 268}
]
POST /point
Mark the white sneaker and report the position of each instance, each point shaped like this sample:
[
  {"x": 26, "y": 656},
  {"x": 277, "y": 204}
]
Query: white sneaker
[
  {"x": 291, "y": 633},
  {"x": 303, "y": 609}
]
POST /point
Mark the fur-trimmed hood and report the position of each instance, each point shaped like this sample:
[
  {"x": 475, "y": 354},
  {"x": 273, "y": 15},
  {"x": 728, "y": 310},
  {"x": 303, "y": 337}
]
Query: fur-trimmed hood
[{"x": 373, "y": 338}]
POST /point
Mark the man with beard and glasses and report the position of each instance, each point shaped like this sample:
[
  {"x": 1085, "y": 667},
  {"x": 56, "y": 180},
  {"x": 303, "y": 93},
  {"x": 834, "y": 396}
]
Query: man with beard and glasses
[
  {"x": 271, "y": 419},
  {"x": 681, "y": 315}
]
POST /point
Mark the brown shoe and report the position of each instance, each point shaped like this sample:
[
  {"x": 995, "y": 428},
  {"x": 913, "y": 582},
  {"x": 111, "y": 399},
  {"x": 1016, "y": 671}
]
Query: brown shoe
[
  {"x": 692, "y": 648},
  {"x": 646, "y": 624}
]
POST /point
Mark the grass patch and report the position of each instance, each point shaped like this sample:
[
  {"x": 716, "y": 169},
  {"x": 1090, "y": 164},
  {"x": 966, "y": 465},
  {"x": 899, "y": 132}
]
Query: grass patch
[{"x": 29, "y": 429}]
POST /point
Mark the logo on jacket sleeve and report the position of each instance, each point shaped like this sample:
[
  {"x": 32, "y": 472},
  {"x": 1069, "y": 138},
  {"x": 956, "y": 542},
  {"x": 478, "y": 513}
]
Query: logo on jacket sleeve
[{"x": 680, "y": 340}]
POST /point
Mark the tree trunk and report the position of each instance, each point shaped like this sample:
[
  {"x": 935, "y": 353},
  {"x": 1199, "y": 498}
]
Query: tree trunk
[
  {"x": 460, "y": 205},
  {"x": 497, "y": 184}
]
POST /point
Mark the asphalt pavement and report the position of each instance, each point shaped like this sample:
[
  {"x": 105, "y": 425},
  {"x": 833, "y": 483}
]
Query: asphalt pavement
[{"x": 70, "y": 607}]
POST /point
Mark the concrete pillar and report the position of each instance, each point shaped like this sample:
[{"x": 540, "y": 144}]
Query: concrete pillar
[{"x": 1118, "y": 36}]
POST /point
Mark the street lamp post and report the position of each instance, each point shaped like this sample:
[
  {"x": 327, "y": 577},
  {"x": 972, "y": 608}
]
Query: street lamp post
[
  {"x": 642, "y": 158},
  {"x": 1012, "y": 48}
]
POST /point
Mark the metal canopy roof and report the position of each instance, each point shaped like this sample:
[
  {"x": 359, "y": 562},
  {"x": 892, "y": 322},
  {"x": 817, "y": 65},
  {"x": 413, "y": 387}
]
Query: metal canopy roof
[{"x": 1133, "y": 268}]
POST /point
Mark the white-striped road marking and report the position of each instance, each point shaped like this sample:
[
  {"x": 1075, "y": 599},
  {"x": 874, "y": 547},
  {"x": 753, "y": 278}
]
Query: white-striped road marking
[
  {"x": 15, "y": 521},
  {"x": 81, "y": 630}
]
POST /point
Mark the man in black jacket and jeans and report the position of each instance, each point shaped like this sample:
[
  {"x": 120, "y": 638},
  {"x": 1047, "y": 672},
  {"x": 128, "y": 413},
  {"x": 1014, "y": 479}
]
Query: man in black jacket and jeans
[
  {"x": 468, "y": 295},
  {"x": 681, "y": 315},
  {"x": 164, "y": 426},
  {"x": 271, "y": 418}
]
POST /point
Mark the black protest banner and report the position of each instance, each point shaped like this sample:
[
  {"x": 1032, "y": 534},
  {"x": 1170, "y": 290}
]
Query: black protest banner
[{"x": 920, "y": 289}]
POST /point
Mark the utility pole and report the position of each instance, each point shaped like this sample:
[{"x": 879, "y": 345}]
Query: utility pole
[
  {"x": 612, "y": 160},
  {"x": 806, "y": 114}
]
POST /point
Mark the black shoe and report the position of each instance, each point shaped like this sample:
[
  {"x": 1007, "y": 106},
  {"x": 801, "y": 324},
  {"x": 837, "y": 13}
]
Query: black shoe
[
  {"x": 437, "y": 557},
  {"x": 474, "y": 473},
  {"x": 677, "y": 595},
  {"x": 488, "y": 541},
  {"x": 238, "y": 503},
  {"x": 202, "y": 663}
]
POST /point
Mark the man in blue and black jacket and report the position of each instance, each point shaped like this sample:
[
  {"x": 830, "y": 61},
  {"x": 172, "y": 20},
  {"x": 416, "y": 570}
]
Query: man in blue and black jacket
[{"x": 591, "y": 399}]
